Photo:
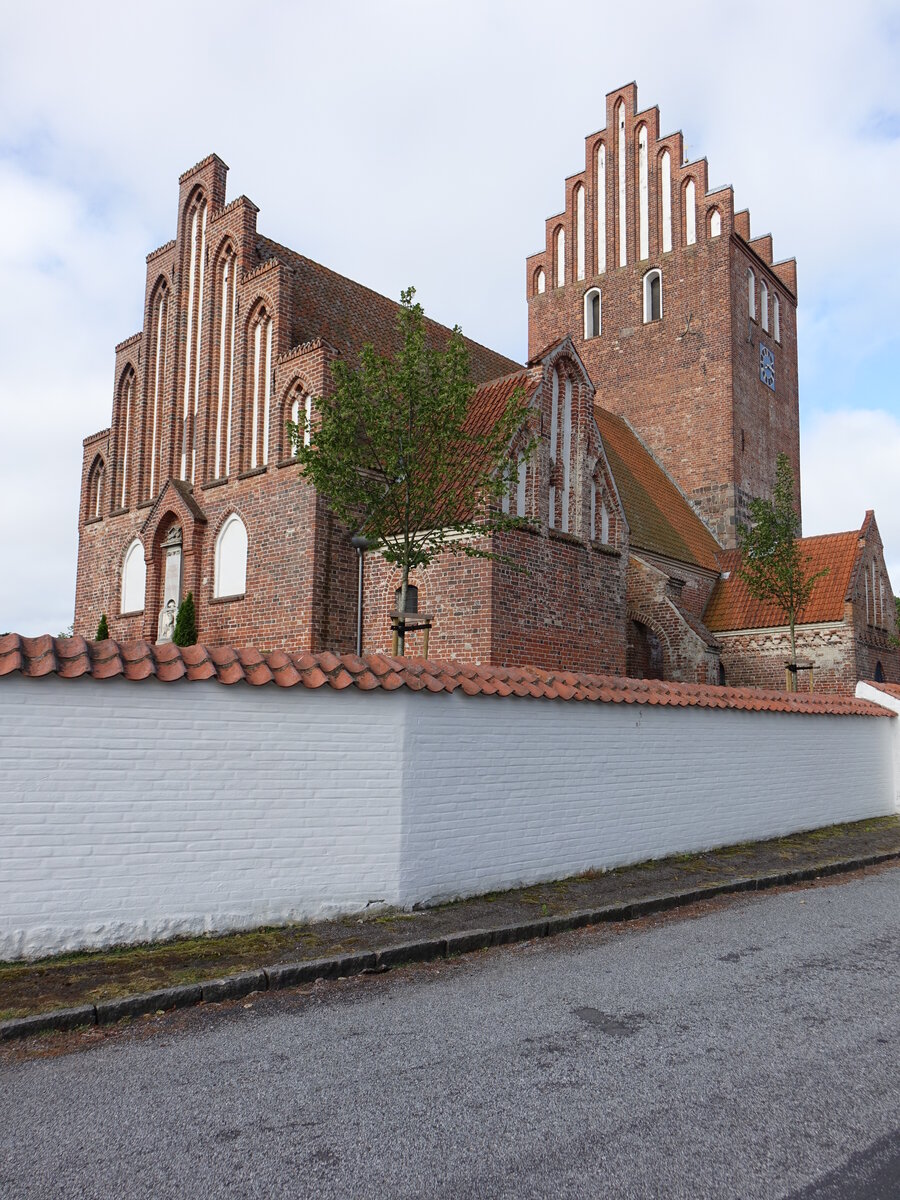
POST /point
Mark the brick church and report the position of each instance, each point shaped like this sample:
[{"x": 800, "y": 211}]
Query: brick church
[{"x": 662, "y": 384}]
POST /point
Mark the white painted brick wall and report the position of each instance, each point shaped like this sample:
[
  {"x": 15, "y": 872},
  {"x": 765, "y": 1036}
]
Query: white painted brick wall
[{"x": 131, "y": 811}]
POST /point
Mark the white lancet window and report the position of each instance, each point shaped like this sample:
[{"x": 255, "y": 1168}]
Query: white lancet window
[
  {"x": 601, "y": 209},
  {"x": 540, "y": 284},
  {"x": 262, "y": 390},
  {"x": 623, "y": 223},
  {"x": 521, "y": 486},
  {"x": 158, "y": 359},
  {"x": 231, "y": 558},
  {"x": 751, "y": 293},
  {"x": 776, "y": 316},
  {"x": 643, "y": 195},
  {"x": 134, "y": 578},
  {"x": 554, "y": 421},
  {"x": 690, "y": 213},
  {"x": 665, "y": 191},
  {"x": 194, "y": 339},
  {"x": 579, "y": 232},
  {"x": 593, "y": 510},
  {"x": 95, "y": 489},
  {"x": 225, "y": 402},
  {"x": 715, "y": 223},
  {"x": 592, "y": 315},
  {"x": 764, "y": 304},
  {"x": 652, "y": 296},
  {"x": 567, "y": 453},
  {"x": 127, "y": 400},
  {"x": 604, "y": 524},
  {"x": 560, "y": 257}
]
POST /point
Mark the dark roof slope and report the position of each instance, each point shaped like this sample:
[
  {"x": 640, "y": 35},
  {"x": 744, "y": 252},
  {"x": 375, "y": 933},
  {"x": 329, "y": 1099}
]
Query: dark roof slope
[
  {"x": 72, "y": 658},
  {"x": 660, "y": 519},
  {"x": 348, "y": 315},
  {"x": 732, "y": 607}
]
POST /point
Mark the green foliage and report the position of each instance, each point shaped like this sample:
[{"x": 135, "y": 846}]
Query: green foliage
[
  {"x": 774, "y": 566},
  {"x": 102, "y": 629},
  {"x": 396, "y": 459},
  {"x": 185, "y": 633},
  {"x": 69, "y": 632}
]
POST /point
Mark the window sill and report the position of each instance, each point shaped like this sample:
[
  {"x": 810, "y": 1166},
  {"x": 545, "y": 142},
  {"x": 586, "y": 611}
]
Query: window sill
[
  {"x": 286, "y": 462},
  {"x": 138, "y": 612},
  {"x": 146, "y": 504},
  {"x": 227, "y": 599},
  {"x": 253, "y": 471},
  {"x": 214, "y": 483},
  {"x": 527, "y": 526},
  {"x": 94, "y": 520},
  {"x": 606, "y": 548}
]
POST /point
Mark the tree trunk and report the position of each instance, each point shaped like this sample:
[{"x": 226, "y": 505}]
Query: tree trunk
[
  {"x": 401, "y": 620},
  {"x": 793, "y": 653}
]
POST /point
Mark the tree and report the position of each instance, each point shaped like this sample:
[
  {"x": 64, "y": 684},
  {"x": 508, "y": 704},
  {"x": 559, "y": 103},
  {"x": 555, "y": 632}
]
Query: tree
[
  {"x": 185, "y": 633},
  {"x": 774, "y": 566},
  {"x": 397, "y": 457},
  {"x": 102, "y": 629}
]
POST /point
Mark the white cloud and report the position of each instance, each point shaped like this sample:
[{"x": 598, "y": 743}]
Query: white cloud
[
  {"x": 850, "y": 464},
  {"x": 402, "y": 143}
]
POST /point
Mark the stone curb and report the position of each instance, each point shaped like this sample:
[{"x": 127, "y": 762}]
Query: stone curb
[{"x": 287, "y": 975}]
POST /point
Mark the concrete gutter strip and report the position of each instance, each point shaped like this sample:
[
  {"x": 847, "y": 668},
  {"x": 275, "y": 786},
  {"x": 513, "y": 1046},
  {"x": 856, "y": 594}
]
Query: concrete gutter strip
[{"x": 233, "y": 987}]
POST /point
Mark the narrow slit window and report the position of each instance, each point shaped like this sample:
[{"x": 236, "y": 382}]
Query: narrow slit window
[
  {"x": 592, "y": 313},
  {"x": 764, "y": 304},
  {"x": 652, "y": 296}
]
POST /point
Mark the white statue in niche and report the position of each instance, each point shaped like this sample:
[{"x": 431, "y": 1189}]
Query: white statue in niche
[{"x": 166, "y": 627}]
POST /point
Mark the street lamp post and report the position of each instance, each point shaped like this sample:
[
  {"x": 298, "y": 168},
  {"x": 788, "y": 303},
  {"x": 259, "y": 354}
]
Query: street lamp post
[{"x": 361, "y": 544}]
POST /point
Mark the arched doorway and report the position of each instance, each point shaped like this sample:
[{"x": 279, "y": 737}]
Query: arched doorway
[{"x": 644, "y": 652}]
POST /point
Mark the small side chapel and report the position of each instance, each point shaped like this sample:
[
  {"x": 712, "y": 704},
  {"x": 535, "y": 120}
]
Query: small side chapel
[{"x": 662, "y": 384}]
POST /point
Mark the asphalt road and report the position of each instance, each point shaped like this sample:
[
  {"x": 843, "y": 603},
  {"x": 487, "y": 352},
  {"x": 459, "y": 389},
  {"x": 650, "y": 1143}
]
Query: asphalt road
[{"x": 749, "y": 1049}]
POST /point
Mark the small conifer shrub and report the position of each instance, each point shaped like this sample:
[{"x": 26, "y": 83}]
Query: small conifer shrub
[
  {"x": 102, "y": 629},
  {"x": 186, "y": 623}
]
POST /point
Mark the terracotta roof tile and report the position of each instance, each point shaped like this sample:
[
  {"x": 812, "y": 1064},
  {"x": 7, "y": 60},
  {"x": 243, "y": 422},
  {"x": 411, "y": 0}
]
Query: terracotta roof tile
[
  {"x": 70, "y": 657},
  {"x": 732, "y": 607},
  {"x": 660, "y": 520}
]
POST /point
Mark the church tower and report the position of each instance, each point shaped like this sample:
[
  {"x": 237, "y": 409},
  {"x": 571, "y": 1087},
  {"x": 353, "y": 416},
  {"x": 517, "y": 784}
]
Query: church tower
[{"x": 685, "y": 323}]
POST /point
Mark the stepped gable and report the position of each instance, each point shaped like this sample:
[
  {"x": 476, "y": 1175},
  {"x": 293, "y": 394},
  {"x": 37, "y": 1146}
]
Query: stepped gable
[
  {"x": 732, "y": 607},
  {"x": 72, "y": 658},
  {"x": 660, "y": 519},
  {"x": 349, "y": 315}
]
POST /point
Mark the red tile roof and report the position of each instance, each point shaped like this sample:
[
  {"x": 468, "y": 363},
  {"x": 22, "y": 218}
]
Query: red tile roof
[
  {"x": 889, "y": 689},
  {"x": 660, "y": 519},
  {"x": 71, "y": 658},
  {"x": 732, "y": 607}
]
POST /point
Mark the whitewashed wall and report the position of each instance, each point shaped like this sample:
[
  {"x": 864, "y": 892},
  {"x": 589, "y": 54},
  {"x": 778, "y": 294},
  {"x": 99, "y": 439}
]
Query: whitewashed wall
[{"x": 137, "y": 810}]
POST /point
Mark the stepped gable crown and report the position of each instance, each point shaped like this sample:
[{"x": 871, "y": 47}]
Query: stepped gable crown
[
  {"x": 732, "y": 607},
  {"x": 660, "y": 519},
  {"x": 73, "y": 658}
]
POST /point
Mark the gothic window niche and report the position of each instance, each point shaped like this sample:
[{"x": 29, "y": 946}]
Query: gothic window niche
[
  {"x": 230, "y": 578},
  {"x": 592, "y": 314},
  {"x": 96, "y": 483},
  {"x": 171, "y": 550},
  {"x": 653, "y": 308},
  {"x": 134, "y": 578},
  {"x": 259, "y": 340}
]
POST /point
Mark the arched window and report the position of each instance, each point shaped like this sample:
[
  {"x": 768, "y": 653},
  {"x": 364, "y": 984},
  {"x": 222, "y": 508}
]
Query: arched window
[
  {"x": 226, "y": 310},
  {"x": 95, "y": 488},
  {"x": 715, "y": 223},
  {"x": 690, "y": 213},
  {"x": 260, "y": 341},
  {"x": 300, "y": 414},
  {"x": 195, "y": 242},
  {"x": 126, "y": 404},
  {"x": 764, "y": 304},
  {"x": 751, "y": 293},
  {"x": 134, "y": 579},
  {"x": 567, "y": 452},
  {"x": 623, "y": 223},
  {"x": 520, "y": 485},
  {"x": 560, "y": 256},
  {"x": 879, "y": 672},
  {"x": 540, "y": 282},
  {"x": 601, "y": 209},
  {"x": 643, "y": 195},
  {"x": 776, "y": 316},
  {"x": 665, "y": 196},
  {"x": 652, "y": 296},
  {"x": 592, "y": 313},
  {"x": 157, "y": 360},
  {"x": 554, "y": 421},
  {"x": 579, "y": 232},
  {"x": 231, "y": 558}
]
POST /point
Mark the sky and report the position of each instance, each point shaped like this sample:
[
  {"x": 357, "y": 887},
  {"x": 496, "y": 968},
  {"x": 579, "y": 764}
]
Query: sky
[{"x": 424, "y": 142}]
